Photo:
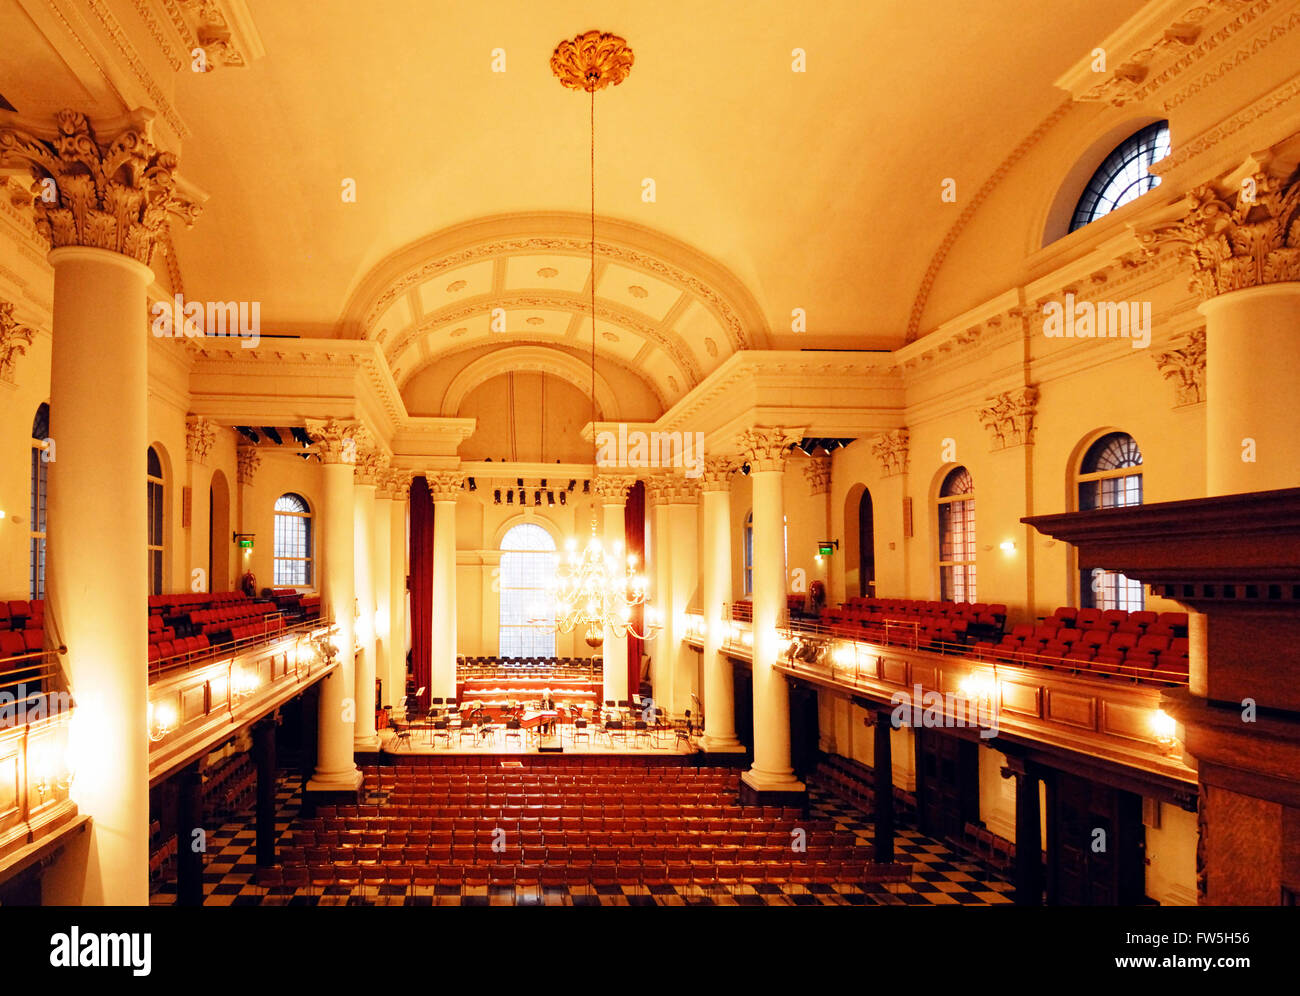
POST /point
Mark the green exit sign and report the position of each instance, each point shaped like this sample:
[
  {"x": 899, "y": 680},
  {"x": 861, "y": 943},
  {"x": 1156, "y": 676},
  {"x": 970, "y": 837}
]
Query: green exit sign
[
  {"x": 246, "y": 544},
  {"x": 825, "y": 548}
]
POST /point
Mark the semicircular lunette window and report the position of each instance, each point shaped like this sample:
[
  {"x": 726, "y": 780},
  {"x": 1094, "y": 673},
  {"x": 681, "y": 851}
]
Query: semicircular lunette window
[{"x": 1124, "y": 175}]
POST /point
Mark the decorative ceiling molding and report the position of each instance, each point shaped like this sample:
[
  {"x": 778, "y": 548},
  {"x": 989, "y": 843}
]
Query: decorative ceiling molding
[
  {"x": 224, "y": 29},
  {"x": 510, "y": 359},
  {"x": 666, "y": 339},
  {"x": 132, "y": 60},
  {"x": 591, "y": 61}
]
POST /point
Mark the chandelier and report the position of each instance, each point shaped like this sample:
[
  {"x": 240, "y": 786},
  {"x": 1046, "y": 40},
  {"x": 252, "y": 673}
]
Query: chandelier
[{"x": 597, "y": 590}]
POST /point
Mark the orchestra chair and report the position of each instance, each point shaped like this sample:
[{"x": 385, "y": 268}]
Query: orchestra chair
[
  {"x": 580, "y": 732},
  {"x": 513, "y": 731},
  {"x": 441, "y": 728}
]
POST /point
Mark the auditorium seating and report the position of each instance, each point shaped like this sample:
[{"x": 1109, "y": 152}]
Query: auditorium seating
[
  {"x": 21, "y": 615},
  {"x": 1139, "y": 646},
  {"x": 944, "y": 626},
  {"x": 585, "y": 824}
]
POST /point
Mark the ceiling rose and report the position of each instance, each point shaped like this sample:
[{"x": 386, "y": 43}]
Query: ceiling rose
[{"x": 591, "y": 61}]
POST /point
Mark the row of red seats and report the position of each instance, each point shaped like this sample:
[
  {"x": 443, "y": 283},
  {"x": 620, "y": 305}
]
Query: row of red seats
[
  {"x": 174, "y": 650},
  {"x": 22, "y": 615},
  {"x": 19, "y": 643},
  {"x": 1140, "y": 645},
  {"x": 1119, "y": 620},
  {"x": 256, "y": 630}
]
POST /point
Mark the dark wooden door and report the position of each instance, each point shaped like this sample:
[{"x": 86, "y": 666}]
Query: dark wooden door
[
  {"x": 947, "y": 783},
  {"x": 1096, "y": 844}
]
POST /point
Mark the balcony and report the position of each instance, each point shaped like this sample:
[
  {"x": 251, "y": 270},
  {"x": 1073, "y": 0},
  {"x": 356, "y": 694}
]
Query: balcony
[{"x": 1112, "y": 718}]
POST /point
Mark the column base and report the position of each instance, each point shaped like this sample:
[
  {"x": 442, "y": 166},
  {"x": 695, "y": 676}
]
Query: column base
[
  {"x": 722, "y": 745},
  {"x": 765, "y": 789},
  {"x": 365, "y": 745},
  {"x": 333, "y": 787}
]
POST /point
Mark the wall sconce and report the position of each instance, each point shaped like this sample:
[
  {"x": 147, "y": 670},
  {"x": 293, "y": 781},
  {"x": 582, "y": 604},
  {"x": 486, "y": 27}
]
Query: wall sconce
[
  {"x": 243, "y": 683},
  {"x": 1165, "y": 729},
  {"x": 162, "y": 720},
  {"x": 1007, "y": 546},
  {"x": 46, "y": 773}
]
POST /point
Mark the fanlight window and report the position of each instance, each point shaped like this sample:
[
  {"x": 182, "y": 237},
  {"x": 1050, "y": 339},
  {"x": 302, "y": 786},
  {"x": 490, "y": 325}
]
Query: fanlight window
[
  {"x": 957, "y": 537},
  {"x": 1110, "y": 476},
  {"x": 1123, "y": 176},
  {"x": 292, "y": 565},
  {"x": 527, "y": 613}
]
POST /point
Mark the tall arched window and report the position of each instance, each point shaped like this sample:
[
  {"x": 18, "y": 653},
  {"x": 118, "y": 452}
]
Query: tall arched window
[
  {"x": 527, "y": 616},
  {"x": 1110, "y": 476},
  {"x": 40, "y": 485},
  {"x": 1123, "y": 176},
  {"x": 292, "y": 552},
  {"x": 957, "y": 537},
  {"x": 155, "y": 483},
  {"x": 749, "y": 549}
]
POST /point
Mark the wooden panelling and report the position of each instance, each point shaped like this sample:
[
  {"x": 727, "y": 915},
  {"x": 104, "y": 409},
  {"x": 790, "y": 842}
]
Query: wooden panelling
[
  {"x": 193, "y": 702},
  {"x": 893, "y": 670},
  {"x": 926, "y": 675},
  {"x": 8, "y": 785},
  {"x": 1129, "y": 721},
  {"x": 1022, "y": 700},
  {"x": 1079, "y": 711}
]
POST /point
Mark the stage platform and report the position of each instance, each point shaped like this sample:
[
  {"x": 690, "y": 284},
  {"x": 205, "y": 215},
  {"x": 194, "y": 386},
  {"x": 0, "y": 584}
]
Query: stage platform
[{"x": 420, "y": 742}]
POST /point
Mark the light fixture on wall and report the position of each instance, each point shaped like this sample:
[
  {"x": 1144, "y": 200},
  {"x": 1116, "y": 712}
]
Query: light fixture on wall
[{"x": 595, "y": 589}]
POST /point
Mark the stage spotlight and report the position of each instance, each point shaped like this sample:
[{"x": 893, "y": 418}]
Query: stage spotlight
[
  {"x": 537, "y": 497},
  {"x": 543, "y": 484},
  {"x": 586, "y": 487},
  {"x": 496, "y": 496},
  {"x": 519, "y": 482},
  {"x": 563, "y": 496},
  {"x": 572, "y": 485},
  {"x": 523, "y": 497},
  {"x": 510, "y": 497},
  {"x": 550, "y": 497},
  {"x": 472, "y": 485}
]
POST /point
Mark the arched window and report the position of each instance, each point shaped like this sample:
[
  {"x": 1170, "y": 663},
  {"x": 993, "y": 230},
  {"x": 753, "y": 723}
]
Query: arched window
[
  {"x": 527, "y": 617},
  {"x": 40, "y": 485},
  {"x": 1123, "y": 176},
  {"x": 749, "y": 550},
  {"x": 957, "y": 537},
  {"x": 155, "y": 481},
  {"x": 1110, "y": 476},
  {"x": 292, "y": 552}
]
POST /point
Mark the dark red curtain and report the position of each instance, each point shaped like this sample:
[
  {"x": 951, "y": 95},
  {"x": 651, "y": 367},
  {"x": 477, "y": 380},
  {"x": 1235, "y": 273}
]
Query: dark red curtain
[
  {"x": 634, "y": 539},
  {"x": 421, "y": 585}
]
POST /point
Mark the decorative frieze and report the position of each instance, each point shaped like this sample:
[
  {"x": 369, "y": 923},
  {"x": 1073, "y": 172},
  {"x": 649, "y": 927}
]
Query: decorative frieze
[
  {"x": 247, "y": 460},
  {"x": 1010, "y": 418},
  {"x": 200, "y": 434},
  {"x": 766, "y": 447},
  {"x": 14, "y": 340},
  {"x": 102, "y": 194},
  {"x": 891, "y": 449},
  {"x": 1185, "y": 366},
  {"x": 1235, "y": 236}
]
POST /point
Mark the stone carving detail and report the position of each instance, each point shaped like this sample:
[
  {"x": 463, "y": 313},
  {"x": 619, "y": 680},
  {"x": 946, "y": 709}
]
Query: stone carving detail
[
  {"x": 891, "y": 449},
  {"x": 613, "y": 488},
  {"x": 818, "y": 473},
  {"x": 372, "y": 463},
  {"x": 717, "y": 473},
  {"x": 591, "y": 61},
  {"x": 658, "y": 488},
  {"x": 1185, "y": 366},
  {"x": 247, "y": 460},
  {"x": 114, "y": 196},
  {"x": 1010, "y": 419},
  {"x": 766, "y": 447},
  {"x": 445, "y": 485},
  {"x": 14, "y": 340},
  {"x": 337, "y": 440},
  {"x": 395, "y": 483},
  {"x": 200, "y": 434},
  {"x": 684, "y": 491},
  {"x": 1234, "y": 238}
]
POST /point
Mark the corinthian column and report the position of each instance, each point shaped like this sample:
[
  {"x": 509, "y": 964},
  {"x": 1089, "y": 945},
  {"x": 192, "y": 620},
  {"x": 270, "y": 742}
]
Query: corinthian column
[
  {"x": 445, "y": 487},
  {"x": 719, "y": 690},
  {"x": 1241, "y": 240},
  {"x": 611, "y": 490},
  {"x": 399, "y": 489},
  {"x": 105, "y": 202},
  {"x": 765, "y": 450},
  {"x": 337, "y": 443},
  {"x": 367, "y": 471},
  {"x": 683, "y": 520},
  {"x": 659, "y": 564}
]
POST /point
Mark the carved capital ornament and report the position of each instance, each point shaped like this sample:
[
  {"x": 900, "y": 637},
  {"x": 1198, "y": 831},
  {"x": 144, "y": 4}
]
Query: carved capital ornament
[
  {"x": 766, "y": 447},
  {"x": 247, "y": 460},
  {"x": 891, "y": 449},
  {"x": 445, "y": 485},
  {"x": 14, "y": 340},
  {"x": 613, "y": 489},
  {"x": 113, "y": 195},
  {"x": 200, "y": 434},
  {"x": 1185, "y": 366},
  {"x": 818, "y": 473},
  {"x": 337, "y": 440},
  {"x": 1010, "y": 418},
  {"x": 717, "y": 473}
]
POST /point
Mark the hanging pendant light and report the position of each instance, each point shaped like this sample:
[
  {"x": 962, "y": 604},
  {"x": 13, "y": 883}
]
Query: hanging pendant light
[{"x": 597, "y": 590}]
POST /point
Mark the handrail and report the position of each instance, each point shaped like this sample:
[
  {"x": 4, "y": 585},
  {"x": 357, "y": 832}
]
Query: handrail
[{"x": 220, "y": 651}]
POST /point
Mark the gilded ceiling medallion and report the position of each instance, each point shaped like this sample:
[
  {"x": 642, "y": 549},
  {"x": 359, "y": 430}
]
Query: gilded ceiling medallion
[{"x": 592, "y": 61}]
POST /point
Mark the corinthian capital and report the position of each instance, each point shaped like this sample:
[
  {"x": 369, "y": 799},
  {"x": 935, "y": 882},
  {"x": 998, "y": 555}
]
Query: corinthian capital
[
  {"x": 247, "y": 460},
  {"x": 765, "y": 447},
  {"x": 1010, "y": 418},
  {"x": 371, "y": 465},
  {"x": 1185, "y": 366},
  {"x": 94, "y": 192},
  {"x": 200, "y": 434},
  {"x": 612, "y": 489},
  {"x": 338, "y": 440},
  {"x": 658, "y": 488},
  {"x": 445, "y": 485},
  {"x": 718, "y": 471},
  {"x": 14, "y": 340},
  {"x": 891, "y": 449},
  {"x": 1234, "y": 237},
  {"x": 394, "y": 483},
  {"x": 818, "y": 473}
]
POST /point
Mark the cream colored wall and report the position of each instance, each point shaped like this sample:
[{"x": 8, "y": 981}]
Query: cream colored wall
[{"x": 1171, "y": 857}]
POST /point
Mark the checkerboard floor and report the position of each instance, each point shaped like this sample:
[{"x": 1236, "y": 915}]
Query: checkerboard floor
[{"x": 941, "y": 876}]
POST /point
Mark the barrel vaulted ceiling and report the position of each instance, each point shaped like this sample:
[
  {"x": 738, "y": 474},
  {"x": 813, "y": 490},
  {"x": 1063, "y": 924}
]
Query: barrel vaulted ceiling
[{"x": 774, "y": 190}]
